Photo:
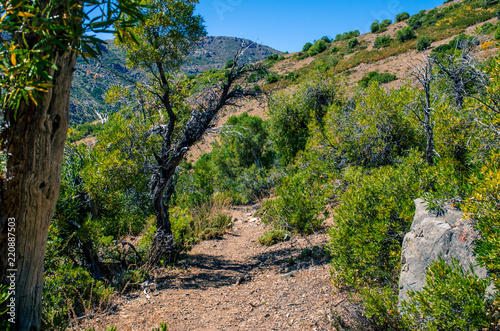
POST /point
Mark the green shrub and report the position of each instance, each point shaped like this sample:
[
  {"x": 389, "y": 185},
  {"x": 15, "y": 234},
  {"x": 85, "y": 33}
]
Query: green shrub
[
  {"x": 423, "y": 43},
  {"x": 68, "y": 291},
  {"x": 229, "y": 64},
  {"x": 375, "y": 26},
  {"x": 384, "y": 24},
  {"x": 319, "y": 47},
  {"x": 382, "y": 41},
  {"x": 375, "y": 76},
  {"x": 405, "y": 34},
  {"x": 452, "y": 299},
  {"x": 326, "y": 39},
  {"x": 497, "y": 34},
  {"x": 335, "y": 49},
  {"x": 306, "y": 47},
  {"x": 273, "y": 57},
  {"x": 353, "y": 43},
  {"x": 482, "y": 207},
  {"x": 347, "y": 35},
  {"x": 273, "y": 236},
  {"x": 272, "y": 78},
  {"x": 402, "y": 16},
  {"x": 257, "y": 75},
  {"x": 485, "y": 28}
]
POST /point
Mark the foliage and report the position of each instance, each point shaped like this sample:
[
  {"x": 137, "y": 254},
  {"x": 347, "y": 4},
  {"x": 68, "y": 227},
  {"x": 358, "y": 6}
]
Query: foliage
[
  {"x": 375, "y": 26},
  {"x": 273, "y": 236},
  {"x": 235, "y": 169},
  {"x": 272, "y": 78},
  {"x": 423, "y": 43},
  {"x": 375, "y": 76},
  {"x": 319, "y": 47},
  {"x": 290, "y": 116},
  {"x": 405, "y": 34},
  {"x": 497, "y": 34},
  {"x": 229, "y": 64},
  {"x": 402, "y": 16},
  {"x": 26, "y": 66},
  {"x": 482, "y": 208},
  {"x": 168, "y": 34},
  {"x": 306, "y": 47},
  {"x": 347, "y": 35},
  {"x": 382, "y": 41},
  {"x": 384, "y": 24},
  {"x": 300, "y": 201},
  {"x": 417, "y": 20},
  {"x": 327, "y": 39},
  {"x": 452, "y": 299},
  {"x": 370, "y": 224},
  {"x": 353, "y": 43},
  {"x": 71, "y": 291},
  {"x": 205, "y": 221},
  {"x": 381, "y": 305}
]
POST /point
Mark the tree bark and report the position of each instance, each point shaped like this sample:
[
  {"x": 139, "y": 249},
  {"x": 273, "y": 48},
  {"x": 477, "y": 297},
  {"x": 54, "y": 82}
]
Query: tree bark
[{"x": 34, "y": 140}]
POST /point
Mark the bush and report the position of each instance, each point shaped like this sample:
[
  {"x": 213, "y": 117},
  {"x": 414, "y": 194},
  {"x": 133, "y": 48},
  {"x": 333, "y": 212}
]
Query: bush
[
  {"x": 290, "y": 117},
  {"x": 485, "y": 28},
  {"x": 376, "y": 212},
  {"x": 273, "y": 57},
  {"x": 299, "y": 203},
  {"x": 402, "y": 16},
  {"x": 347, "y": 35},
  {"x": 417, "y": 20},
  {"x": 497, "y": 34},
  {"x": 69, "y": 291},
  {"x": 273, "y": 236},
  {"x": 452, "y": 299},
  {"x": 272, "y": 78},
  {"x": 384, "y": 24},
  {"x": 382, "y": 41},
  {"x": 375, "y": 26},
  {"x": 482, "y": 208},
  {"x": 405, "y": 34},
  {"x": 319, "y": 47},
  {"x": 423, "y": 43},
  {"x": 326, "y": 39},
  {"x": 375, "y": 76},
  {"x": 353, "y": 43},
  {"x": 306, "y": 47}
]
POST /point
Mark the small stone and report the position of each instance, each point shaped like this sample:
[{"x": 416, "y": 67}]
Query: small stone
[
  {"x": 288, "y": 275},
  {"x": 255, "y": 219},
  {"x": 287, "y": 237}
]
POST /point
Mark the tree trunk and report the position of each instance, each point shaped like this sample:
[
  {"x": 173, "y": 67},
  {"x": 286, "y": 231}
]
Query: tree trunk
[{"x": 34, "y": 141}]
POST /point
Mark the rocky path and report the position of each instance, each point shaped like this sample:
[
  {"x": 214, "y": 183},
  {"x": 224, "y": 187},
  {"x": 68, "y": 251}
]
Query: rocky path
[{"x": 234, "y": 283}]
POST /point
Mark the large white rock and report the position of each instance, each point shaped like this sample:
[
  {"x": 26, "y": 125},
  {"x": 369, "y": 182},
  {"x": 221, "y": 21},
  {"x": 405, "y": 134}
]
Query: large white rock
[{"x": 449, "y": 236}]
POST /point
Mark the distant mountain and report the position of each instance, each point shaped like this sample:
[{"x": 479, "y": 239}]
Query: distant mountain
[{"x": 92, "y": 78}]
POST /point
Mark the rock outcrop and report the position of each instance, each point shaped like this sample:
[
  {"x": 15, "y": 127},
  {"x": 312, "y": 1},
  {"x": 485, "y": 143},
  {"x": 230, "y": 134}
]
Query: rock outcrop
[{"x": 431, "y": 236}]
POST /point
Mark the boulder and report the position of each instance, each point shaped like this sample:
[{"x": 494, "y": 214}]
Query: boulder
[{"x": 431, "y": 236}]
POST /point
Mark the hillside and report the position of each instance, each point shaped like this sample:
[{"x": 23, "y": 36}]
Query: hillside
[{"x": 92, "y": 79}]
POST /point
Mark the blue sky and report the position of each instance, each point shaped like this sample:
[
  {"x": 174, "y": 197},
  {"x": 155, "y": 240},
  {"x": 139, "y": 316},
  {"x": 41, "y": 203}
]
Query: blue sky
[{"x": 288, "y": 25}]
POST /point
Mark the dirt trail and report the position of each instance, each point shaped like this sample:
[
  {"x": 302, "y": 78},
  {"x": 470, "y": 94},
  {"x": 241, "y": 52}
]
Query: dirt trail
[{"x": 234, "y": 283}]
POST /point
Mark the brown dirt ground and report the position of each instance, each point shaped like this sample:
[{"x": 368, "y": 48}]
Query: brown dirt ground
[{"x": 234, "y": 283}]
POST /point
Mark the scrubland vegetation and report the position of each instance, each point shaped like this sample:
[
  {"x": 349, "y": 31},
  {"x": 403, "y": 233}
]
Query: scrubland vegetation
[{"x": 360, "y": 156}]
